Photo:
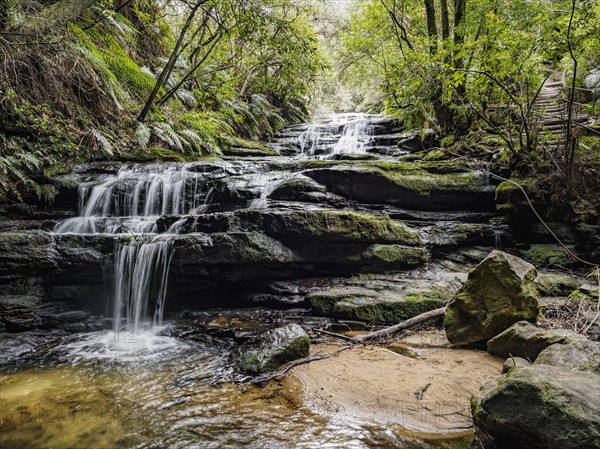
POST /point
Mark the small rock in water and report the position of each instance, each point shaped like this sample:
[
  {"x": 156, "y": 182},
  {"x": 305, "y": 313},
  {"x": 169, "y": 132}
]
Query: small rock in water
[
  {"x": 499, "y": 292},
  {"x": 273, "y": 348}
]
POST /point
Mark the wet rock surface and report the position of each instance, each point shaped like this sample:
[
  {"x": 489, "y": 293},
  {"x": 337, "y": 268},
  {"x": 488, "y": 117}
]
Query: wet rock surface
[{"x": 268, "y": 351}]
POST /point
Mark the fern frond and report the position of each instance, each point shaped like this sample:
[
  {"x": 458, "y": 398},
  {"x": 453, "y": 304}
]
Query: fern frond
[
  {"x": 143, "y": 133},
  {"x": 165, "y": 132},
  {"x": 29, "y": 160},
  {"x": 192, "y": 137},
  {"x": 104, "y": 143}
]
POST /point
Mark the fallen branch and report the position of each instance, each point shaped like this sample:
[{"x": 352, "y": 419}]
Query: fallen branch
[
  {"x": 289, "y": 366},
  {"x": 386, "y": 332},
  {"x": 333, "y": 334}
]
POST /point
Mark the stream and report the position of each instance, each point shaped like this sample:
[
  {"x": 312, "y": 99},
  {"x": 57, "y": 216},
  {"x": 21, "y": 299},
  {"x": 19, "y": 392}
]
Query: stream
[{"x": 125, "y": 273}]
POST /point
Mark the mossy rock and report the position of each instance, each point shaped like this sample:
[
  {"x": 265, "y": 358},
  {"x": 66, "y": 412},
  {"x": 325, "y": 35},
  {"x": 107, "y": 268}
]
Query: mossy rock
[
  {"x": 499, "y": 292},
  {"x": 424, "y": 186},
  {"x": 397, "y": 256},
  {"x": 525, "y": 340},
  {"x": 540, "y": 406},
  {"x": 543, "y": 255},
  {"x": 581, "y": 354},
  {"x": 273, "y": 348},
  {"x": 235, "y": 146},
  {"x": 330, "y": 225},
  {"x": 556, "y": 284},
  {"x": 383, "y": 307},
  {"x": 163, "y": 154},
  {"x": 579, "y": 295},
  {"x": 434, "y": 155}
]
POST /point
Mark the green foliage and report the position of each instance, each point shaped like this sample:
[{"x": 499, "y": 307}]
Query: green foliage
[
  {"x": 445, "y": 82},
  {"x": 105, "y": 49}
]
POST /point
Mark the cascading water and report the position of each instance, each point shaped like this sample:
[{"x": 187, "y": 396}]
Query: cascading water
[
  {"x": 336, "y": 134},
  {"x": 140, "y": 271},
  {"x": 354, "y": 137},
  {"x": 131, "y": 202}
]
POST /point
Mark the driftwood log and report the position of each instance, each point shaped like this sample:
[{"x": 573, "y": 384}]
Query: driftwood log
[{"x": 386, "y": 332}]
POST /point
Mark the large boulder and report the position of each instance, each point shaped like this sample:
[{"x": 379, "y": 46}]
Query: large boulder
[
  {"x": 523, "y": 339},
  {"x": 499, "y": 292},
  {"x": 582, "y": 355},
  {"x": 273, "y": 348},
  {"x": 540, "y": 406}
]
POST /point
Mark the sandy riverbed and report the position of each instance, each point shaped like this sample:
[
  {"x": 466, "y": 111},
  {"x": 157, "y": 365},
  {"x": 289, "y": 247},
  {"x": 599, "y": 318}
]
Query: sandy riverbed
[{"x": 425, "y": 388}]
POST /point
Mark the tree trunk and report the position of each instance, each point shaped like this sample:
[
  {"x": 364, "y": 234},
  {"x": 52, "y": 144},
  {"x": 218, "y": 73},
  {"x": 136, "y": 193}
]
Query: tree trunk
[
  {"x": 445, "y": 19},
  {"x": 431, "y": 25},
  {"x": 386, "y": 332},
  {"x": 168, "y": 69},
  {"x": 460, "y": 7}
]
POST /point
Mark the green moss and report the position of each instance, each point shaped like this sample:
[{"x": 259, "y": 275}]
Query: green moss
[
  {"x": 434, "y": 155},
  {"x": 334, "y": 225},
  {"x": 504, "y": 187},
  {"x": 163, "y": 154},
  {"x": 578, "y": 296},
  {"x": 555, "y": 284},
  {"x": 248, "y": 152},
  {"x": 377, "y": 311},
  {"x": 238, "y": 142},
  {"x": 324, "y": 301},
  {"x": 544, "y": 255},
  {"x": 396, "y": 255},
  {"x": 378, "y": 307}
]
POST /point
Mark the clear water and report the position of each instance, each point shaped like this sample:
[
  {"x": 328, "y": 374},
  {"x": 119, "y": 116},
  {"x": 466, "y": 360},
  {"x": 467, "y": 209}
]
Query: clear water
[{"x": 151, "y": 390}]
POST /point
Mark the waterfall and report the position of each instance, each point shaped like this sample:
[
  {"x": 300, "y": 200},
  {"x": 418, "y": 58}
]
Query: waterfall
[
  {"x": 131, "y": 202},
  {"x": 139, "y": 195},
  {"x": 141, "y": 272},
  {"x": 354, "y": 137},
  {"x": 337, "y": 134}
]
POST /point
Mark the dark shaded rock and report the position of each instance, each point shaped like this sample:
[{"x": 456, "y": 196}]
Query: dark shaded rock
[
  {"x": 418, "y": 140},
  {"x": 273, "y": 348},
  {"x": 18, "y": 312},
  {"x": 296, "y": 188},
  {"x": 444, "y": 236},
  {"x": 540, "y": 406},
  {"x": 594, "y": 329},
  {"x": 498, "y": 293},
  {"x": 523, "y": 339},
  {"x": 426, "y": 186},
  {"x": 581, "y": 355}
]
